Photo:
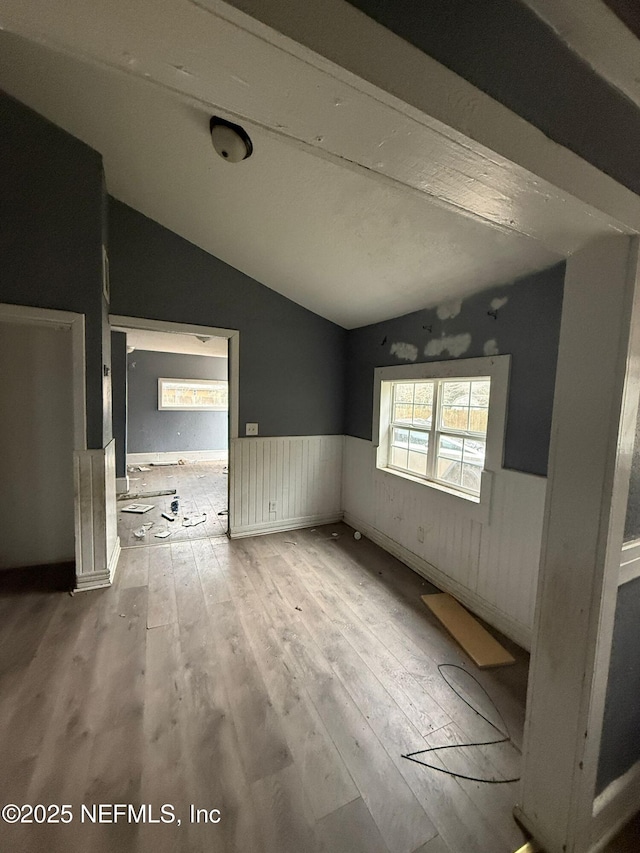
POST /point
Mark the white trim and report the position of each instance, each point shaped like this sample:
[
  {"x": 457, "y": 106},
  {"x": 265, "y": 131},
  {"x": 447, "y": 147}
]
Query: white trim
[
  {"x": 497, "y": 368},
  {"x": 614, "y": 807},
  {"x": 31, "y": 316},
  {"x": 121, "y": 323},
  {"x": 176, "y": 455},
  {"x": 122, "y": 485},
  {"x": 286, "y": 524},
  {"x": 100, "y": 580},
  {"x": 629, "y": 562},
  {"x": 582, "y": 541},
  {"x": 517, "y": 632},
  {"x": 113, "y": 560}
]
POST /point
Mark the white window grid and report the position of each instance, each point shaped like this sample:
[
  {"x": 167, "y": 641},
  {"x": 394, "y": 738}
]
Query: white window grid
[{"x": 434, "y": 432}]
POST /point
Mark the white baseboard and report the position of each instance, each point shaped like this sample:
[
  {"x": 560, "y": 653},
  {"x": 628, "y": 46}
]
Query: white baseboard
[
  {"x": 518, "y": 633},
  {"x": 122, "y": 485},
  {"x": 284, "y": 524},
  {"x": 99, "y": 580},
  {"x": 614, "y": 807},
  {"x": 175, "y": 456}
]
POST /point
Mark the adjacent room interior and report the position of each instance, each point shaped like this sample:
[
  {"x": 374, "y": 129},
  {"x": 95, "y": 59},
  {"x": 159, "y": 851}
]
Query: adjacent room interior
[
  {"x": 303, "y": 346},
  {"x": 171, "y": 424}
]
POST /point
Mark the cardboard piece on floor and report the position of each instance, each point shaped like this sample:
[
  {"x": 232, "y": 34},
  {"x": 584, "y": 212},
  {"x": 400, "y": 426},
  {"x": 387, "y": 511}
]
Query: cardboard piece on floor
[
  {"x": 137, "y": 508},
  {"x": 482, "y": 648},
  {"x": 529, "y": 847}
]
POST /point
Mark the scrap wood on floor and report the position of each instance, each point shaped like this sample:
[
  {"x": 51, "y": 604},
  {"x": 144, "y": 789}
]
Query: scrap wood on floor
[{"x": 483, "y": 649}]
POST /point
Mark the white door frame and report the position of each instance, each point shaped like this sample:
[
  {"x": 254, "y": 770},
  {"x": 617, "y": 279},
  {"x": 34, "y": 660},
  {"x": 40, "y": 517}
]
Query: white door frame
[
  {"x": 27, "y": 315},
  {"x": 121, "y": 323}
]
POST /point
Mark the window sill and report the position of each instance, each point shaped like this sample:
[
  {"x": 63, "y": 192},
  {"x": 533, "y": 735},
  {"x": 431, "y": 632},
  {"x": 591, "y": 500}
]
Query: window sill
[
  {"x": 431, "y": 484},
  {"x": 474, "y": 508}
]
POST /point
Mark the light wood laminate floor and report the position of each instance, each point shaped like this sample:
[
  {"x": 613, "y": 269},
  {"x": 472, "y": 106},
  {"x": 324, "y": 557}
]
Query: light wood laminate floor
[{"x": 278, "y": 680}]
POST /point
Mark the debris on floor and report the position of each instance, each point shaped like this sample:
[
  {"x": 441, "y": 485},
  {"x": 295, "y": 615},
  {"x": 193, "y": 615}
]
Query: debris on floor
[
  {"x": 129, "y": 496},
  {"x": 299, "y": 608},
  {"x": 224, "y": 512},
  {"x": 483, "y": 649},
  {"x": 194, "y": 520},
  {"x": 201, "y": 476},
  {"x": 137, "y": 508},
  {"x": 289, "y": 542},
  {"x": 162, "y": 534},
  {"x": 167, "y": 516},
  {"x": 357, "y": 535},
  {"x": 335, "y": 535}
]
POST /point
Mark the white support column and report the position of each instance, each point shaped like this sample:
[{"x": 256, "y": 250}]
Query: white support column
[{"x": 596, "y": 399}]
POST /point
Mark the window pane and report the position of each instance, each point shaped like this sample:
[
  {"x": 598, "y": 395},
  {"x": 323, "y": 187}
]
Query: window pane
[
  {"x": 424, "y": 393},
  {"x": 450, "y": 472},
  {"x": 480, "y": 393},
  {"x": 400, "y": 437},
  {"x": 478, "y": 419},
  {"x": 456, "y": 393},
  {"x": 404, "y": 393},
  {"x": 399, "y": 457},
  {"x": 417, "y": 463},
  {"x": 422, "y": 415},
  {"x": 472, "y": 477},
  {"x": 474, "y": 452},
  {"x": 419, "y": 441},
  {"x": 403, "y": 413},
  {"x": 450, "y": 448},
  {"x": 454, "y": 417}
]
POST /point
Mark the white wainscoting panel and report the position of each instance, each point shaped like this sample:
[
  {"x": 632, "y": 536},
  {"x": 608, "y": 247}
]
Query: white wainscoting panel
[
  {"x": 301, "y": 474},
  {"x": 97, "y": 542},
  {"x": 491, "y": 566}
]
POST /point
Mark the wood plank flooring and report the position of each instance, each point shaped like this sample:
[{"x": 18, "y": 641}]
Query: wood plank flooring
[
  {"x": 277, "y": 683},
  {"x": 201, "y": 488}
]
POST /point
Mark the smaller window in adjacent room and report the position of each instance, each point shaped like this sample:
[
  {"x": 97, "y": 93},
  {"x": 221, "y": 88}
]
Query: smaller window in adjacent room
[
  {"x": 442, "y": 423},
  {"x": 202, "y": 395}
]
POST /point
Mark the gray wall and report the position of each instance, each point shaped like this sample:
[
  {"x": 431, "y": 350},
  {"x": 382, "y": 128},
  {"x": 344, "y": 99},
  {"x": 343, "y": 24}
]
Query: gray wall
[
  {"x": 620, "y": 747},
  {"x": 36, "y": 446},
  {"x": 52, "y": 225},
  {"x": 150, "y": 430},
  {"x": 291, "y": 360},
  {"x": 502, "y": 48},
  {"x": 119, "y": 399},
  {"x": 527, "y": 327}
]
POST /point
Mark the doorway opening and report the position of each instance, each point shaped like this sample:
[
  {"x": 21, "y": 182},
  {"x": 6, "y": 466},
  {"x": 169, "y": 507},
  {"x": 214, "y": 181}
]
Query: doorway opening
[{"x": 173, "y": 416}]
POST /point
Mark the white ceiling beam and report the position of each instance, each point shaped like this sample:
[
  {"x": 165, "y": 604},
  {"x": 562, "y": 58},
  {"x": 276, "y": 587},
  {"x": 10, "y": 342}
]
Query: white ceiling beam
[{"x": 348, "y": 89}]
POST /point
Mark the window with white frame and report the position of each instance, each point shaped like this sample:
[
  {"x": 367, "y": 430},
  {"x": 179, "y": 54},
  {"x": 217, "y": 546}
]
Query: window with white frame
[
  {"x": 439, "y": 430},
  {"x": 442, "y": 423},
  {"x": 198, "y": 395}
]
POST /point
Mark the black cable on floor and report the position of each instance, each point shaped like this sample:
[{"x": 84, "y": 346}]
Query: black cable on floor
[{"x": 506, "y": 738}]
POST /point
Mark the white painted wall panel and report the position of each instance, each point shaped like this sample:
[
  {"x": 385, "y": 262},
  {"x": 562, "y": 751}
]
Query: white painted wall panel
[
  {"x": 97, "y": 542},
  {"x": 302, "y": 474},
  {"x": 492, "y": 565}
]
